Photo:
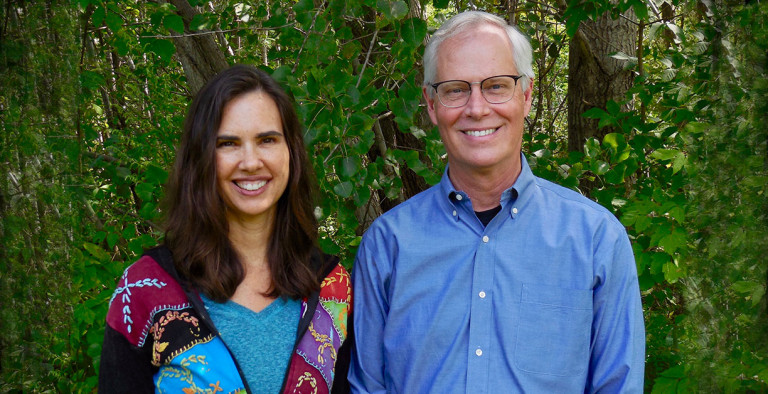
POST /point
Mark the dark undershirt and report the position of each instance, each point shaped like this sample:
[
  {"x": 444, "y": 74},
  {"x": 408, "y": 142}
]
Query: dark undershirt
[{"x": 486, "y": 216}]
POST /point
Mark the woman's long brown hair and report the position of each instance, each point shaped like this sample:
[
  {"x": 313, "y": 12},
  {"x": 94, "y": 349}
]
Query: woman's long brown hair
[{"x": 196, "y": 226}]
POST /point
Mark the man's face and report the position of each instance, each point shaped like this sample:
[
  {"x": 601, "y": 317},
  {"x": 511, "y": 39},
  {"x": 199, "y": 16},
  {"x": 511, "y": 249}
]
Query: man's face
[{"x": 479, "y": 137}]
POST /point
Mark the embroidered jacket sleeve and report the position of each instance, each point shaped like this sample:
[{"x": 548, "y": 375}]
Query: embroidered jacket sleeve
[
  {"x": 317, "y": 360},
  {"x": 124, "y": 367},
  {"x": 155, "y": 340}
]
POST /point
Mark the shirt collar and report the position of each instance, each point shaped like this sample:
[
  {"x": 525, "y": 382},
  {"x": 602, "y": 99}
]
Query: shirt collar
[{"x": 511, "y": 199}]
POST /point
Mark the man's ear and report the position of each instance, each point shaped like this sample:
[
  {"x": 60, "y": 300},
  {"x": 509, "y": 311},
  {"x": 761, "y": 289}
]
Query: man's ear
[
  {"x": 430, "y": 104},
  {"x": 528, "y": 96}
]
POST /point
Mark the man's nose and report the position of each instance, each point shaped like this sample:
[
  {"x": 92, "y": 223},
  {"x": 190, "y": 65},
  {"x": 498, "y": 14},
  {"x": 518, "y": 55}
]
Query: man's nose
[{"x": 477, "y": 104}]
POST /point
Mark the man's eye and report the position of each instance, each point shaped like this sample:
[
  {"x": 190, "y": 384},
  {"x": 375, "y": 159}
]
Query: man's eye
[{"x": 455, "y": 89}]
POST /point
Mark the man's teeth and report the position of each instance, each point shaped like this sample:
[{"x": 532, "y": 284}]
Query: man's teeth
[
  {"x": 479, "y": 133},
  {"x": 251, "y": 186}
]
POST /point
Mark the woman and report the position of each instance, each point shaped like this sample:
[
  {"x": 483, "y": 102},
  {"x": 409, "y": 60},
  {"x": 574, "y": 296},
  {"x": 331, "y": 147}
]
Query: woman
[{"x": 216, "y": 308}]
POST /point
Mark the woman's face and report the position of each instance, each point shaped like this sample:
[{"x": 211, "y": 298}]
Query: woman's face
[{"x": 252, "y": 157}]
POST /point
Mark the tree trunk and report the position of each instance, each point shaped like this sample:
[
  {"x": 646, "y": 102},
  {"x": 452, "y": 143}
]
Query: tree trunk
[
  {"x": 388, "y": 131},
  {"x": 594, "y": 77},
  {"x": 198, "y": 54}
]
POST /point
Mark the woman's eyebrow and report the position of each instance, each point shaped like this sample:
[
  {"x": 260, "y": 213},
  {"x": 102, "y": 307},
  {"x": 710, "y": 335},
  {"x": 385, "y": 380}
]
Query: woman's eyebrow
[{"x": 270, "y": 133}]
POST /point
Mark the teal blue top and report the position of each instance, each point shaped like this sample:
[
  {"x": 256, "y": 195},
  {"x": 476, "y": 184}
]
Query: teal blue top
[{"x": 261, "y": 342}]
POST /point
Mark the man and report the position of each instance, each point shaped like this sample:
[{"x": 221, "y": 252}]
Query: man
[{"x": 493, "y": 280}]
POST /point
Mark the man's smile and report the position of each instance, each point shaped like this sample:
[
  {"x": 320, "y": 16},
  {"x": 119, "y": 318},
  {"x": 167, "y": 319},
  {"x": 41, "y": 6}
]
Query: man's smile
[{"x": 479, "y": 133}]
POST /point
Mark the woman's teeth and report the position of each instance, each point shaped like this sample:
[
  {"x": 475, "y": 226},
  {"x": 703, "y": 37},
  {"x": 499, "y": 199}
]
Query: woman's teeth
[{"x": 251, "y": 186}]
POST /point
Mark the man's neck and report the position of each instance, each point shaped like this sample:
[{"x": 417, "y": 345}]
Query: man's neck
[{"x": 484, "y": 186}]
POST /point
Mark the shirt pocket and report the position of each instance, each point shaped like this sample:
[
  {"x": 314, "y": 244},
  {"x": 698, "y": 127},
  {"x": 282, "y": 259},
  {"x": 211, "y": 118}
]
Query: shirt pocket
[{"x": 553, "y": 333}]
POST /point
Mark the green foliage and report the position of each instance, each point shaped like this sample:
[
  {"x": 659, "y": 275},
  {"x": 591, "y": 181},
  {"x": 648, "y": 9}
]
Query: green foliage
[
  {"x": 686, "y": 175},
  {"x": 94, "y": 94}
]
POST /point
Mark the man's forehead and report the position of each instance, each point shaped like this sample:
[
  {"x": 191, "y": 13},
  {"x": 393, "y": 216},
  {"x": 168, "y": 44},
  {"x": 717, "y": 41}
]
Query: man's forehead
[{"x": 479, "y": 47}]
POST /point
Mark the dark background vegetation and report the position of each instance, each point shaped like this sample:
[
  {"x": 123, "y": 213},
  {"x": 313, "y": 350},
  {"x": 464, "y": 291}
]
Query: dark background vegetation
[{"x": 656, "y": 109}]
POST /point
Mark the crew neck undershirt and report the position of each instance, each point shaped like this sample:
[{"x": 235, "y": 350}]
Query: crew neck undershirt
[{"x": 486, "y": 216}]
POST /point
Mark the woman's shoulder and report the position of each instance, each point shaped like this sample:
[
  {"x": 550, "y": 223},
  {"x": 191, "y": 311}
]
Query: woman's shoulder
[
  {"x": 336, "y": 282},
  {"x": 145, "y": 288}
]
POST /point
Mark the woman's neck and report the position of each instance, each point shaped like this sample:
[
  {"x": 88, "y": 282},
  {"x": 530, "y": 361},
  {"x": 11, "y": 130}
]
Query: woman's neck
[{"x": 251, "y": 241}]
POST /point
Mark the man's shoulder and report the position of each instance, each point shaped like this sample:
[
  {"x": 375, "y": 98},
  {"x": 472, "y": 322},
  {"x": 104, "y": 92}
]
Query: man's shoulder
[
  {"x": 572, "y": 200},
  {"x": 414, "y": 211}
]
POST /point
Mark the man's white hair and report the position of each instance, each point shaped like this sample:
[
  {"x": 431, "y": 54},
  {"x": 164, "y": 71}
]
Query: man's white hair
[{"x": 522, "y": 53}]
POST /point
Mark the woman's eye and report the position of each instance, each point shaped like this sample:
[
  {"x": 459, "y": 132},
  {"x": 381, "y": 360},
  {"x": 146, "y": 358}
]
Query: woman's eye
[{"x": 223, "y": 144}]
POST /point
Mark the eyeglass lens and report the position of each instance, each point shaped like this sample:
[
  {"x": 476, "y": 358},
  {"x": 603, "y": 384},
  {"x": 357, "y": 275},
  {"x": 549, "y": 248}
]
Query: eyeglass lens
[{"x": 496, "y": 90}]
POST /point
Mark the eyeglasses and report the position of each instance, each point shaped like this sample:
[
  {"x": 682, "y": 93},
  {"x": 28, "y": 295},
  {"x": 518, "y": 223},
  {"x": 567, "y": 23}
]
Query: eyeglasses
[{"x": 496, "y": 90}]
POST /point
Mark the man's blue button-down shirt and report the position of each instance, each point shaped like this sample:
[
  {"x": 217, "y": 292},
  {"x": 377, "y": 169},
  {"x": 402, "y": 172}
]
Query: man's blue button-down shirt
[{"x": 545, "y": 299}]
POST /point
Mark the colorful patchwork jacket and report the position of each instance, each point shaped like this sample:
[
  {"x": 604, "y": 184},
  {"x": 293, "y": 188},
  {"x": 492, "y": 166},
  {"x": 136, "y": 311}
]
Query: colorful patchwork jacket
[{"x": 160, "y": 338}]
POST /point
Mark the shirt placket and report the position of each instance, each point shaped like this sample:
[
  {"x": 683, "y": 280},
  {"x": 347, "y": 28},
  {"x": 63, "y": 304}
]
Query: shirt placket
[{"x": 480, "y": 315}]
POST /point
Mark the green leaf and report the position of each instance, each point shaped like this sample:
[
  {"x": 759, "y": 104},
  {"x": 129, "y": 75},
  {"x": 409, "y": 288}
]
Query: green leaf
[
  {"x": 672, "y": 272},
  {"x": 173, "y": 23},
  {"x": 642, "y": 223},
  {"x": 573, "y": 15},
  {"x": 592, "y": 148},
  {"x": 600, "y": 167},
  {"x": 392, "y": 9},
  {"x": 96, "y": 251},
  {"x": 199, "y": 22},
  {"x": 658, "y": 261},
  {"x": 612, "y": 107},
  {"x": 696, "y": 127},
  {"x": 344, "y": 189},
  {"x": 122, "y": 172},
  {"x": 614, "y": 140},
  {"x": 641, "y": 10},
  {"x": 674, "y": 241},
  {"x": 112, "y": 239},
  {"x": 616, "y": 175},
  {"x": 91, "y": 79},
  {"x": 155, "y": 174},
  {"x": 664, "y": 154},
  {"x": 553, "y": 51},
  {"x": 679, "y": 162},
  {"x": 413, "y": 31},
  {"x": 114, "y": 21},
  {"x": 745, "y": 287},
  {"x": 145, "y": 190},
  {"x": 163, "y": 48},
  {"x": 757, "y": 295},
  {"x": 349, "y": 166},
  {"x": 99, "y": 13},
  {"x": 594, "y": 113}
]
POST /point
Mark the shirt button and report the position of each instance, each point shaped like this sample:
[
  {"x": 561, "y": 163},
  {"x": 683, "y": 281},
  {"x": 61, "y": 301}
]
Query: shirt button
[
  {"x": 482, "y": 294},
  {"x": 454, "y": 213},
  {"x": 486, "y": 239},
  {"x": 479, "y": 352},
  {"x": 514, "y": 210},
  {"x": 459, "y": 197}
]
